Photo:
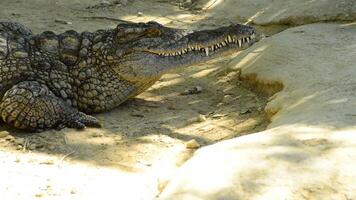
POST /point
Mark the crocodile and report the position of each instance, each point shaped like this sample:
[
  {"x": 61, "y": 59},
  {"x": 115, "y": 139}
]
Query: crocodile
[{"x": 53, "y": 81}]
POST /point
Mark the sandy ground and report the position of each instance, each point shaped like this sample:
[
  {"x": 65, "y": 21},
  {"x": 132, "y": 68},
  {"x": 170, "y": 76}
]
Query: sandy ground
[
  {"x": 308, "y": 151},
  {"x": 143, "y": 136}
]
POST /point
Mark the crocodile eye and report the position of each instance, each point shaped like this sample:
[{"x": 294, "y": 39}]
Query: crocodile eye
[{"x": 153, "y": 32}]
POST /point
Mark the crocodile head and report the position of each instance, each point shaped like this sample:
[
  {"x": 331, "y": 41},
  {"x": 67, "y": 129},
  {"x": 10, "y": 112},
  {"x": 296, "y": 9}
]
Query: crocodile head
[{"x": 148, "y": 50}]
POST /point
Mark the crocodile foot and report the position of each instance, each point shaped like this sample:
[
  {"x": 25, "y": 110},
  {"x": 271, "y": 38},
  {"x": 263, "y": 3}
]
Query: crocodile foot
[{"x": 32, "y": 106}]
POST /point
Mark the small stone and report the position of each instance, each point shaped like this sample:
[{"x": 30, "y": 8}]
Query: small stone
[
  {"x": 201, "y": 118},
  {"x": 228, "y": 99},
  {"x": 4, "y": 134},
  {"x": 105, "y": 3},
  {"x": 218, "y": 116},
  {"x": 97, "y": 135},
  {"x": 137, "y": 114},
  {"x": 63, "y": 22},
  {"x": 245, "y": 111},
  {"x": 10, "y": 138},
  {"x": 192, "y": 144},
  {"x": 47, "y": 162},
  {"x": 194, "y": 90},
  {"x": 19, "y": 141},
  {"x": 139, "y": 14},
  {"x": 39, "y": 195},
  {"x": 73, "y": 191},
  {"x": 219, "y": 104},
  {"x": 161, "y": 185}
]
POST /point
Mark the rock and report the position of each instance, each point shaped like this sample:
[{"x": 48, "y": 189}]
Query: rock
[
  {"x": 199, "y": 118},
  {"x": 194, "y": 90},
  {"x": 73, "y": 191},
  {"x": 245, "y": 111},
  {"x": 4, "y": 134},
  {"x": 137, "y": 114},
  {"x": 227, "y": 99},
  {"x": 63, "y": 22},
  {"x": 47, "y": 162},
  {"x": 218, "y": 116},
  {"x": 19, "y": 141},
  {"x": 161, "y": 185},
  {"x": 284, "y": 12},
  {"x": 192, "y": 144},
  {"x": 95, "y": 134},
  {"x": 105, "y": 3},
  {"x": 219, "y": 104}
]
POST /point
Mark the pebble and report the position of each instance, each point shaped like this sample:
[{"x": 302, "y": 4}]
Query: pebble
[
  {"x": 201, "y": 118},
  {"x": 244, "y": 111},
  {"x": 192, "y": 144},
  {"x": 194, "y": 90},
  {"x": 219, "y": 104},
  {"x": 39, "y": 195},
  {"x": 97, "y": 135},
  {"x": 137, "y": 114},
  {"x": 105, "y": 3},
  {"x": 218, "y": 116},
  {"x": 63, "y": 22},
  {"x": 47, "y": 162},
  {"x": 73, "y": 191},
  {"x": 20, "y": 141},
  {"x": 161, "y": 185},
  {"x": 228, "y": 99},
  {"x": 4, "y": 134}
]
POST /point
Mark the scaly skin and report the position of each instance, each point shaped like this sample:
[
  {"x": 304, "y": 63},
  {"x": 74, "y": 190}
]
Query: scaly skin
[{"x": 50, "y": 80}]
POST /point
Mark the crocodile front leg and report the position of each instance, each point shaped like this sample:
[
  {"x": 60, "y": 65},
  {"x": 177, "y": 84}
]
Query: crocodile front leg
[{"x": 32, "y": 106}]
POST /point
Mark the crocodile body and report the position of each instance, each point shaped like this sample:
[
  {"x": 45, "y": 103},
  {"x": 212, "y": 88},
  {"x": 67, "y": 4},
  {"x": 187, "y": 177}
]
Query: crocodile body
[{"x": 56, "y": 80}]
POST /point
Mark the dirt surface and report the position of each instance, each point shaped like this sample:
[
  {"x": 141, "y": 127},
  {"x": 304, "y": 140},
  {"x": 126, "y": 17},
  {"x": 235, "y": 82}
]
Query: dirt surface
[
  {"x": 161, "y": 118},
  {"x": 309, "y": 149},
  {"x": 194, "y": 107}
]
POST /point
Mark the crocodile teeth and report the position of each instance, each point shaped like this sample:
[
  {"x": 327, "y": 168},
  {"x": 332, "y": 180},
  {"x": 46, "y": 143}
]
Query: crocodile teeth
[
  {"x": 207, "y": 51},
  {"x": 240, "y": 42},
  {"x": 248, "y": 39},
  {"x": 229, "y": 39}
]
